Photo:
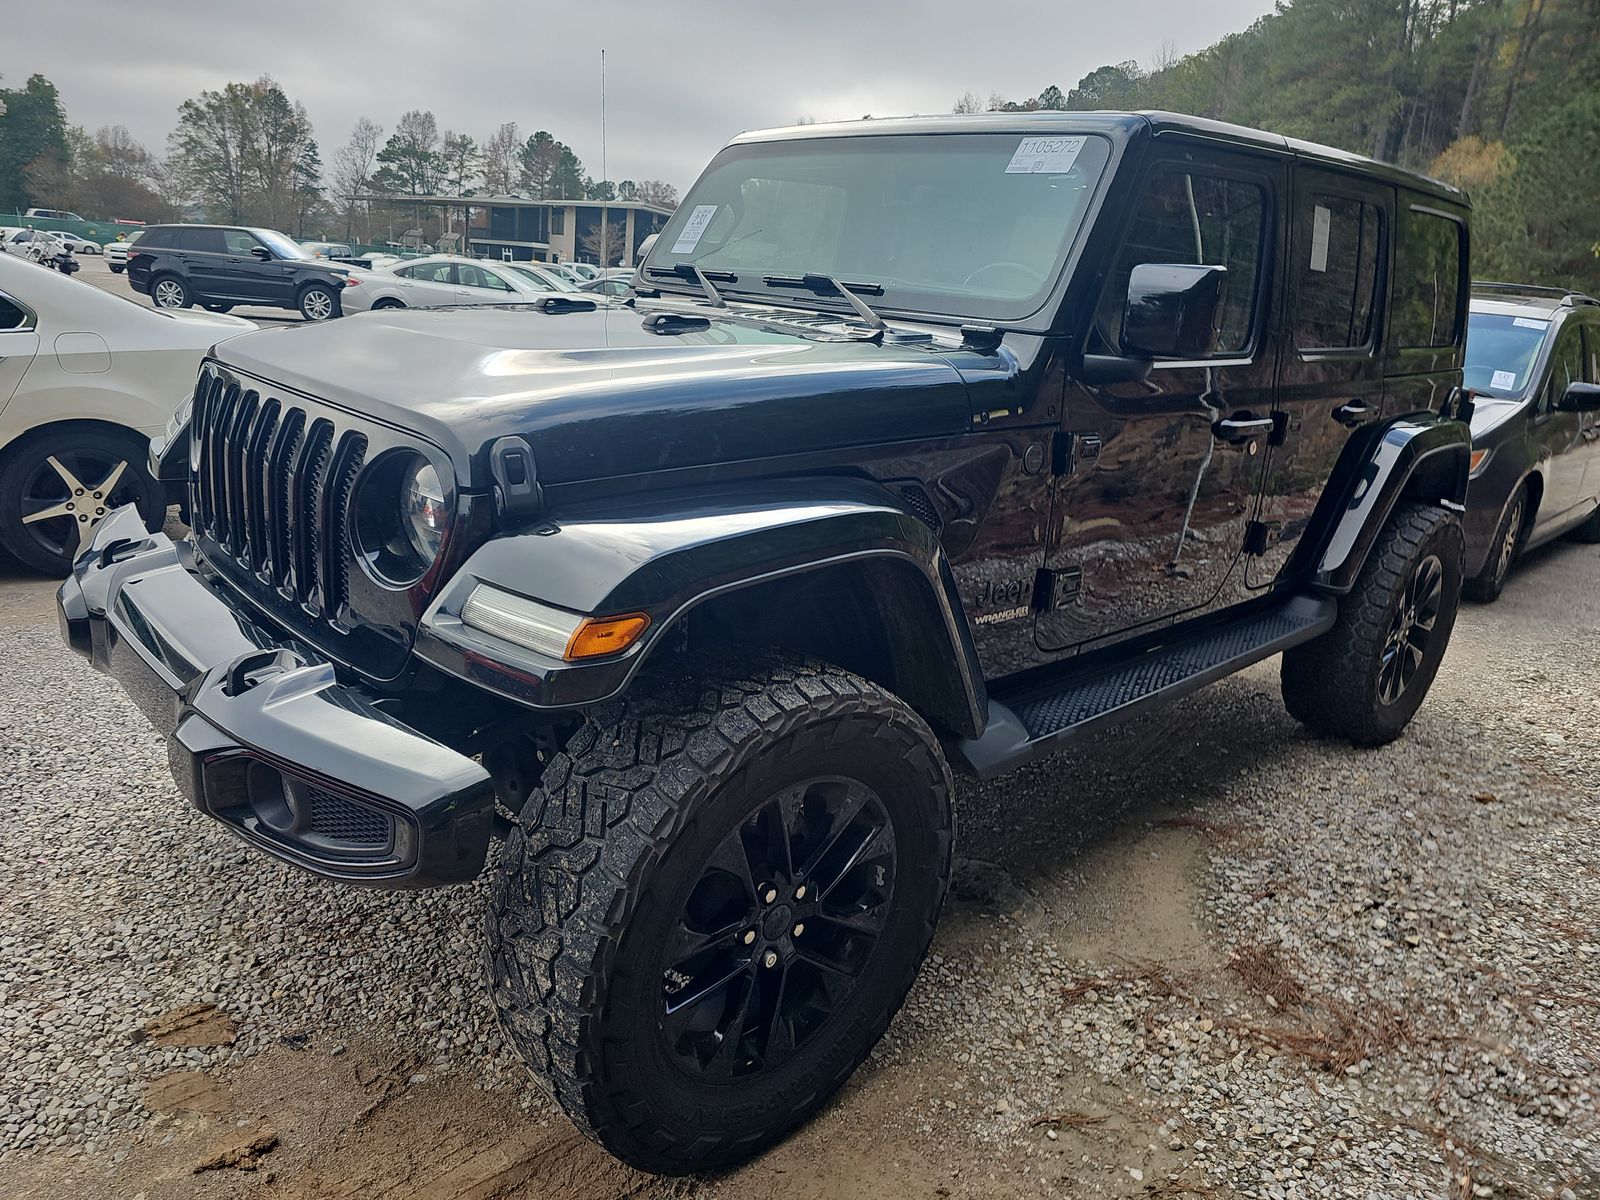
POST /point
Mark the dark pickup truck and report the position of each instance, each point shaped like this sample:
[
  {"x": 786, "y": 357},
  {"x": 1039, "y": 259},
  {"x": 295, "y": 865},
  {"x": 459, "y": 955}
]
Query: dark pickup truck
[{"x": 922, "y": 445}]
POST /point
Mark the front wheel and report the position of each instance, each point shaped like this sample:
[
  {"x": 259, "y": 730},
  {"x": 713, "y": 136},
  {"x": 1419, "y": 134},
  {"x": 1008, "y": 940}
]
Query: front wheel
[
  {"x": 217, "y": 308},
  {"x": 317, "y": 303},
  {"x": 1366, "y": 677},
  {"x": 715, "y": 900},
  {"x": 116, "y": 268},
  {"x": 56, "y": 486},
  {"x": 1487, "y": 585}
]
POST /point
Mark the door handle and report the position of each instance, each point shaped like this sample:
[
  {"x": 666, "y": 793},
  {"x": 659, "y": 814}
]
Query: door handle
[
  {"x": 1238, "y": 430},
  {"x": 1353, "y": 413}
]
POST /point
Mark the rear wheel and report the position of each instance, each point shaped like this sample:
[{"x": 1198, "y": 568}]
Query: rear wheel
[
  {"x": 56, "y": 486},
  {"x": 1366, "y": 677},
  {"x": 168, "y": 291},
  {"x": 715, "y": 900},
  {"x": 1589, "y": 531},
  {"x": 1487, "y": 585},
  {"x": 217, "y": 308}
]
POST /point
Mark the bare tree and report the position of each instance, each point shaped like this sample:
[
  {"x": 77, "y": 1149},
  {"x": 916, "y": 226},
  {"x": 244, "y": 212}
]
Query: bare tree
[
  {"x": 968, "y": 102},
  {"x": 352, "y": 169},
  {"x": 657, "y": 192},
  {"x": 500, "y": 165},
  {"x": 612, "y": 248}
]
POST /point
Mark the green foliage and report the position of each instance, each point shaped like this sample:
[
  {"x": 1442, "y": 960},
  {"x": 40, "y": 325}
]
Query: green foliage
[
  {"x": 33, "y": 142},
  {"x": 242, "y": 153}
]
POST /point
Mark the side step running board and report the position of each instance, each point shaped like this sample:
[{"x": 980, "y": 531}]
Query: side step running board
[{"x": 1043, "y": 717}]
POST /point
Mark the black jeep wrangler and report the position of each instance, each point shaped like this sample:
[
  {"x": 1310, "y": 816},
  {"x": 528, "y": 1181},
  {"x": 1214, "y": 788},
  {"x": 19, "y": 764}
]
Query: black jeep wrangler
[{"x": 922, "y": 444}]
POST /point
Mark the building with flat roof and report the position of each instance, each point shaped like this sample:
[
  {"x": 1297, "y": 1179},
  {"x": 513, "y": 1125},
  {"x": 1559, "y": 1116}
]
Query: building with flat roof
[{"x": 512, "y": 228}]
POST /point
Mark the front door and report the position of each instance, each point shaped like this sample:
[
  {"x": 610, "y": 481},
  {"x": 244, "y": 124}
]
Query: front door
[
  {"x": 1157, "y": 480},
  {"x": 1560, "y": 437},
  {"x": 1330, "y": 379},
  {"x": 255, "y": 280}
]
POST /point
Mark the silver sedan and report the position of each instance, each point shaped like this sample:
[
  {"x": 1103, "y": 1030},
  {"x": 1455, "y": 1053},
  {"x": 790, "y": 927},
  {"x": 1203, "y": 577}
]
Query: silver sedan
[{"x": 443, "y": 279}]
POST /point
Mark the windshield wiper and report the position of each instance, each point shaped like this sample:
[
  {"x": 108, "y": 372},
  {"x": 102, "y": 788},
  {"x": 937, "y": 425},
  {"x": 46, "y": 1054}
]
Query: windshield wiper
[
  {"x": 827, "y": 285},
  {"x": 687, "y": 270}
]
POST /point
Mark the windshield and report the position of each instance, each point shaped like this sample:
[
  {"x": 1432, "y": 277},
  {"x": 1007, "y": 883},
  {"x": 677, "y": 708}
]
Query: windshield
[
  {"x": 280, "y": 246},
  {"x": 1501, "y": 352},
  {"x": 961, "y": 224},
  {"x": 548, "y": 282}
]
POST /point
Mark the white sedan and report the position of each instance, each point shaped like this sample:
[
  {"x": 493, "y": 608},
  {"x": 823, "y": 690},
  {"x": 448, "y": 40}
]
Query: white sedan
[
  {"x": 442, "y": 279},
  {"x": 78, "y": 245},
  {"x": 86, "y": 379}
]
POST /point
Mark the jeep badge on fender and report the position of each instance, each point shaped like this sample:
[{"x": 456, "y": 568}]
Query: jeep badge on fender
[{"x": 713, "y": 587}]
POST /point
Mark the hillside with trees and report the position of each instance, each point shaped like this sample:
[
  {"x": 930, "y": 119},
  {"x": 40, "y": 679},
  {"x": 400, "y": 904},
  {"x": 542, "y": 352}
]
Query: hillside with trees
[{"x": 1499, "y": 96}]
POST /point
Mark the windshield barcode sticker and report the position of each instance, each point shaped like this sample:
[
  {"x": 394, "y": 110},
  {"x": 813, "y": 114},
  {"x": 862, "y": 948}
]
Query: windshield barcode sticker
[
  {"x": 1045, "y": 156},
  {"x": 1321, "y": 223},
  {"x": 689, "y": 236},
  {"x": 1530, "y": 323},
  {"x": 1504, "y": 380}
]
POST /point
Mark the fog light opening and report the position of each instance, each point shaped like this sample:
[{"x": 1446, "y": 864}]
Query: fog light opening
[{"x": 277, "y": 802}]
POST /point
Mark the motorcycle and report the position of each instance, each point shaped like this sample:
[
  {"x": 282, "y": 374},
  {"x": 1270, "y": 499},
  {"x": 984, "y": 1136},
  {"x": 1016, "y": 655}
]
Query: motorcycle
[{"x": 56, "y": 255}]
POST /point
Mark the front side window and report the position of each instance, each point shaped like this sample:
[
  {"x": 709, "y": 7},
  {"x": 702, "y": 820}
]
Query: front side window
[
  {"x": 1501, "y": 350},
  {"x": 533, "y": 278},
  {"x": 1427, "y": 280},
  {"x": 280, "y": 246},
  {"x": 1566, "y": 367},
  {"x": 1336, "y": 271},
  {"x": 239, "y": 242},
  {"x": 472, "y": 275},
  {"x": 970, "y": 224},
  {"x": 1197, "y": 219}
]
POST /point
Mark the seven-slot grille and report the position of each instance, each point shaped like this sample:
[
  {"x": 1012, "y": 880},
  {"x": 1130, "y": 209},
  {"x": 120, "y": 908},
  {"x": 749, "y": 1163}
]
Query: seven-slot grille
[{"x": 272, "y": 487}]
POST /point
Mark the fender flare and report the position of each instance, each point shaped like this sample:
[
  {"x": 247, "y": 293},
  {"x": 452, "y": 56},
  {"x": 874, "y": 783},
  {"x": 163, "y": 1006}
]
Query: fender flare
[
  {"x": 667, "y": 553},
  {"x": 1421, "y": 456}
]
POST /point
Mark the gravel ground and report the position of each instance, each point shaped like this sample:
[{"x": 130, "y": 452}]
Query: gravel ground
[{"x": 1207, "y": 955}]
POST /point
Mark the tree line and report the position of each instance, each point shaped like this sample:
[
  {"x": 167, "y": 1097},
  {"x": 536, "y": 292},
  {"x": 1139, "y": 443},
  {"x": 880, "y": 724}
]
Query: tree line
[
  {"x": 1501, "y": 97},
  {"x": 246, "y": 154}
]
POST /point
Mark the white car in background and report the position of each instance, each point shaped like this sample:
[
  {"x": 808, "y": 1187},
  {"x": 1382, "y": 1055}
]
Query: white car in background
[
  {"x": 78, "y": 245},
  {"x": 117, "y": 252},
  {"x": 441, "y": 279},
  {"x": 87, "y": 378}
]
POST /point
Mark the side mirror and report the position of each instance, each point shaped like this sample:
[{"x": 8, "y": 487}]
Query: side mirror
[
  {"x": 262, "y": 253},
  {"x": 1172, "y": 310},
  {"x": 1580, "y": 398}
]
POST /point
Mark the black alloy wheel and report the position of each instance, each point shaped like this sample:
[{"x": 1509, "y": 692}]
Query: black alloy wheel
[
  {"x": 778, "y": 929},
  {"x": 1409, "y": 630},
  {"x": 1491, "y": 581}
]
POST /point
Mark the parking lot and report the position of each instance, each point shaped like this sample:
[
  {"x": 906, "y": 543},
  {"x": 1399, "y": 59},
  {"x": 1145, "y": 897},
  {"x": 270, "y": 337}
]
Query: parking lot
[
  {"x": 93, "y": 269},
  {"x": 1253, "y": 964}
]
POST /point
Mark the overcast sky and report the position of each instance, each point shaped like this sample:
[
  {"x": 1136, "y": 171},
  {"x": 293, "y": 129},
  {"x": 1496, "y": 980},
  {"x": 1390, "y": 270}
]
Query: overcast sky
[{"x": 682, "y": 75}]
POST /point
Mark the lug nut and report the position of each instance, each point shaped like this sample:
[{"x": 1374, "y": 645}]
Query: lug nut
[
  {"x": 771, "y": 960},
  {"x": 800, "y": 892},
  {"x": 769, "y": 895},
  {"x": 749, "y": 936},
  {"x": 799, "y": 928}
]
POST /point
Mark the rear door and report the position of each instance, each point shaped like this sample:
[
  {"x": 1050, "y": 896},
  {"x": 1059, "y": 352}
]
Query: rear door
[
  {"x": 1149, "y": 514},
  {"x": 1591, "y": 421},
  {"x": 1427, "y": 306},
  {"x": 202, "y": 251},
  {"x": 1330, "y": 381}
]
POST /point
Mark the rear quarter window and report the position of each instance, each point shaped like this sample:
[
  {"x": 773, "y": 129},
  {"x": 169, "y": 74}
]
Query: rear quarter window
[{"x": 1428, "y": 278}]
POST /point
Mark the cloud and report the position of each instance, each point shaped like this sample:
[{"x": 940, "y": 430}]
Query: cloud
[{"x": 681, "y": 77}]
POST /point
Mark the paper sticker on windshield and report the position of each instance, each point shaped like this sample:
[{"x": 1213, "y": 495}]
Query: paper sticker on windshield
[
  {"x": 1530, "y": 323},
  {"x": 1045, "y": 156},
  {"x": 1321, "y": 221},
  {"x": 689, "y": 236},
  {"x": 1503, "y": 380}
]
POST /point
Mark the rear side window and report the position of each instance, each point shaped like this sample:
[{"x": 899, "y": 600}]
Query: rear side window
[
  {"x": 428, "y": 272},
  {"x": 206, "y": 241},
  {"x": 1427, "y": 280},
  {"x": 158, "y": 239},
  {"x": 1187, "y": 217},
  {"x": 1337, "y": 241},
  {"x": 14, "y": 316}
]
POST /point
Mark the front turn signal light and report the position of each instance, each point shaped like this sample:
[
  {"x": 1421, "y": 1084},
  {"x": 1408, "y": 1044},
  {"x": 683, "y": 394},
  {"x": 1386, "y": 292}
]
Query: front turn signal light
[
  {"x": 606, "y": 635},
  {"x": 1477, "y": 461}
]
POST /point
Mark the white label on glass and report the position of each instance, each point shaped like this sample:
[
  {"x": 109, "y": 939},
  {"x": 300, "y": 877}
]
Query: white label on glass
[
  {"x": 1530, "y": 323},
  {"x": 1045, "y": 156},
  {"x": 694, "y": 229},
  {"x": 1504, "y": 380},
  {"x": 1321, "y": 221}
]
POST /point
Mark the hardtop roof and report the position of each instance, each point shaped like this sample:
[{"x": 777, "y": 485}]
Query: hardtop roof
[{"x": 1125, "y": 123}]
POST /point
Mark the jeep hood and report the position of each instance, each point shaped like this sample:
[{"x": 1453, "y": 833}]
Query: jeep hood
[{"x": 600, "y": 394}]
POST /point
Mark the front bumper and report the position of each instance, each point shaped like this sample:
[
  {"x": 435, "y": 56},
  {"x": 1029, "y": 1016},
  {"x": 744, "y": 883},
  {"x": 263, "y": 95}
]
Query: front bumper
[{"x": 260, "y": 733}]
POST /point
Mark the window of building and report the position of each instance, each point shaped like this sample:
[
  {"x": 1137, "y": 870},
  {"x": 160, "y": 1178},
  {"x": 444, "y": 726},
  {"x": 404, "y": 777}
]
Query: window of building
[
  {"x": 1188, "y": 217},
  {"x": 558, "y": 221},
  {"x": 1427, "y": 280},
  {"x": 1337, "y": 243}
]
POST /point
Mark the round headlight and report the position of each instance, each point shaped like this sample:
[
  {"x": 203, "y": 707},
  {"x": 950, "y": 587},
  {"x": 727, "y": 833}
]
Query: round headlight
[{"x": 422, "y": 511}]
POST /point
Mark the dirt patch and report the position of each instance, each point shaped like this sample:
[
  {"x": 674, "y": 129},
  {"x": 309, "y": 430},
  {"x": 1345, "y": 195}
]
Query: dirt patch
[
  {"x": 186, "y": 1091},
  {"x": 194, "y": 1025},
  {"x": 241, "y": 1151}
]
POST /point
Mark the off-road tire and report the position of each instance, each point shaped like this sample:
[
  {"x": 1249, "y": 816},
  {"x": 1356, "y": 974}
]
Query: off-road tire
[
  {"x": 1486, "y": 586},
  {"x": 617, "y": 832},
  {"x": 1589, "y": 531},
  {"x": 1331, "y": 684}
]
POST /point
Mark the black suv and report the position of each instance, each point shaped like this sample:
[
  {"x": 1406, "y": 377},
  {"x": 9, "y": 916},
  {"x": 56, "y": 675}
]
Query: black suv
[
  {"x": 218, "y": 266},
  {"x": 922, "y": 444}
]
